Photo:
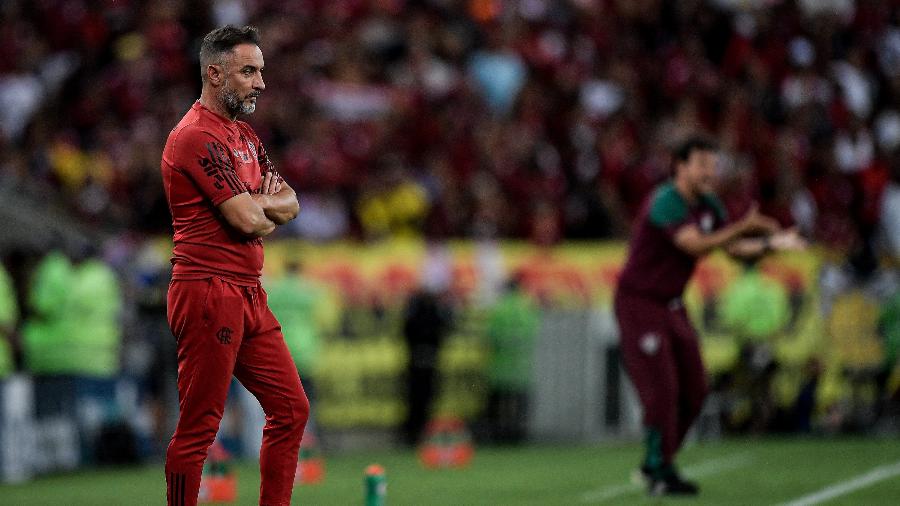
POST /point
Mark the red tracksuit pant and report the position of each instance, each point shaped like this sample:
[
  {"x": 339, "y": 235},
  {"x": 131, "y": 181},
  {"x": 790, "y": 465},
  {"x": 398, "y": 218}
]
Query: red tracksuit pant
[
  {"x": 661, "y": 352},
  {"x": 223, "y": 330}
]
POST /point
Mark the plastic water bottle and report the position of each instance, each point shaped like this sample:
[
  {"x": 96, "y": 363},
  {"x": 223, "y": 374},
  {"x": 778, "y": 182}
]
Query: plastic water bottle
[{"x": 376, "y": 485}]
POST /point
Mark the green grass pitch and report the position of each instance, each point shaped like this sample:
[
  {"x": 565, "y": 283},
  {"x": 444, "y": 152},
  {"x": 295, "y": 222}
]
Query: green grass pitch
[{"x": 732, "y": 472}]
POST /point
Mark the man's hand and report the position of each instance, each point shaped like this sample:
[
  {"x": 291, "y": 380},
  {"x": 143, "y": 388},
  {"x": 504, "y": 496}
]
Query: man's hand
[
  {"x": 271, "y": 183},
  {"x": 755, "y": 247},
  {"x": 754, "y": 222},
  {"x": 787, "y": 240}
]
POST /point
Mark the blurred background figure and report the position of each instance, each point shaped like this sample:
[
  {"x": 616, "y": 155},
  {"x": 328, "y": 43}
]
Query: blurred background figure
[
  {"x": 71, "y": 343},
  {"x": 47, "y": 300},
  {"x": 301, "y": 307},
  {"x": 754, "y": 309},
  {"x": 9, "y": 319},
  {"x": 13, "y": 457},
  {"x": 888, "y": 376},
  {"x": 511, "y": 329},
  {"x": 427, "y": 319}
]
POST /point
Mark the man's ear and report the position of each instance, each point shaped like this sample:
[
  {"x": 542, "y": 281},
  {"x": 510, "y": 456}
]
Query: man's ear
[{"x": 215, "y": 74}]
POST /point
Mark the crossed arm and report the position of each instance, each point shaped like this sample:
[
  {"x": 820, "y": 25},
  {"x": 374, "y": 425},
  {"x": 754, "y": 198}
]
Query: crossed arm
[
  {"x": 258, "y": 214},
  {"x": 277, "y": 199}
]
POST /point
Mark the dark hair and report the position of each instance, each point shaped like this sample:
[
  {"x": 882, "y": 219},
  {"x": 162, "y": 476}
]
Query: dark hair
[
  {"x": 221, "y": 41},
  {"x": 697, "y": 143}
]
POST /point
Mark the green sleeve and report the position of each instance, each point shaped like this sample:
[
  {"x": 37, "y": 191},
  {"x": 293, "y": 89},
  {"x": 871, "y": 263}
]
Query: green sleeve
[{"x": 667, "y": 209}]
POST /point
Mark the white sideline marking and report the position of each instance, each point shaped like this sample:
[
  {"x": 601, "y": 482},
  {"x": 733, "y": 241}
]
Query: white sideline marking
[
  {"x": 880, "y": 473},
  {"x": 699, "y": 470}
]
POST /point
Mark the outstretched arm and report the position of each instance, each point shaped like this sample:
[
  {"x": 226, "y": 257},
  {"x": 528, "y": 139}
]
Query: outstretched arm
[
  {"x": 755, "y": 247},
  {"x": 692, "y": 240}
]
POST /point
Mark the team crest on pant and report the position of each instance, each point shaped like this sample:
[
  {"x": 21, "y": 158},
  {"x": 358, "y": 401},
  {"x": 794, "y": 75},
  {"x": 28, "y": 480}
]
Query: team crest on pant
[
  {"x": 224, "y": 335},
  {"x": 649, "y": 343}
]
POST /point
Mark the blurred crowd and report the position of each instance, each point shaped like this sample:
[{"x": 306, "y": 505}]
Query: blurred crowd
[{"x": 529, "y": 119}]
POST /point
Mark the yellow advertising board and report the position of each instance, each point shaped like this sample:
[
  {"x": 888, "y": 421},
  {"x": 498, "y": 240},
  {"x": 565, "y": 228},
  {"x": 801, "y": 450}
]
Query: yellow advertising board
[{"x": 372, "y": 282}]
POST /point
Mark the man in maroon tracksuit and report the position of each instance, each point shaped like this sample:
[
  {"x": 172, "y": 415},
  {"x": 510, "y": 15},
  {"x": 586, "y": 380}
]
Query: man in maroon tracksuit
[
  {"x": 225, "y": 195},
  {"x": 681, "y": 222}
]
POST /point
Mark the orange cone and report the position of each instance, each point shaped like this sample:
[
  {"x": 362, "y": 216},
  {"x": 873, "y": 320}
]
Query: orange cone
[
  {"x": 311, "y": 464},
  {"x": 447, "y": 444},
  {"x": 218, "y": 483}
]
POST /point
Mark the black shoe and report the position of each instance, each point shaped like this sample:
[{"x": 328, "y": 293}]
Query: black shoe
[{"x": 670, "y": 483}]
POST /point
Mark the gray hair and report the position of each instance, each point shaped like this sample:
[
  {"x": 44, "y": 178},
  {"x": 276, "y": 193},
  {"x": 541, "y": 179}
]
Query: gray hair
[{"x": 219, "y": 43}]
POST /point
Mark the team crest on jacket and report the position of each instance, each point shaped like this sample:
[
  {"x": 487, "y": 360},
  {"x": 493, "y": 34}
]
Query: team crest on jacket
[
  {"x": 241, "y": 155},
  {"x": 252, "y": 148},
  {"x": 649, "y": 343}
]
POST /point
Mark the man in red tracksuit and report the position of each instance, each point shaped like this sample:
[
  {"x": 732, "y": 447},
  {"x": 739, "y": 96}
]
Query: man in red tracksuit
[
  {"x": 681, "y": 222},
  {"x": 225, "y": 196}
]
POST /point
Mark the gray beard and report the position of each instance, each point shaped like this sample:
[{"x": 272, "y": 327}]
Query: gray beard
[{"x": 234, "y": 105}]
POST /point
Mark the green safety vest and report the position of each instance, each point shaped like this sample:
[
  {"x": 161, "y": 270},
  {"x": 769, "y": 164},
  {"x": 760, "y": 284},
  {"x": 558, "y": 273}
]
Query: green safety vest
[
  {"x": 76, "y": 327},
  {"x": 296, "y": 302},
  {"x": 512, "y": 325},
  {"x": 9, "y": 315},
  {"x": 755, "y": 307}
]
